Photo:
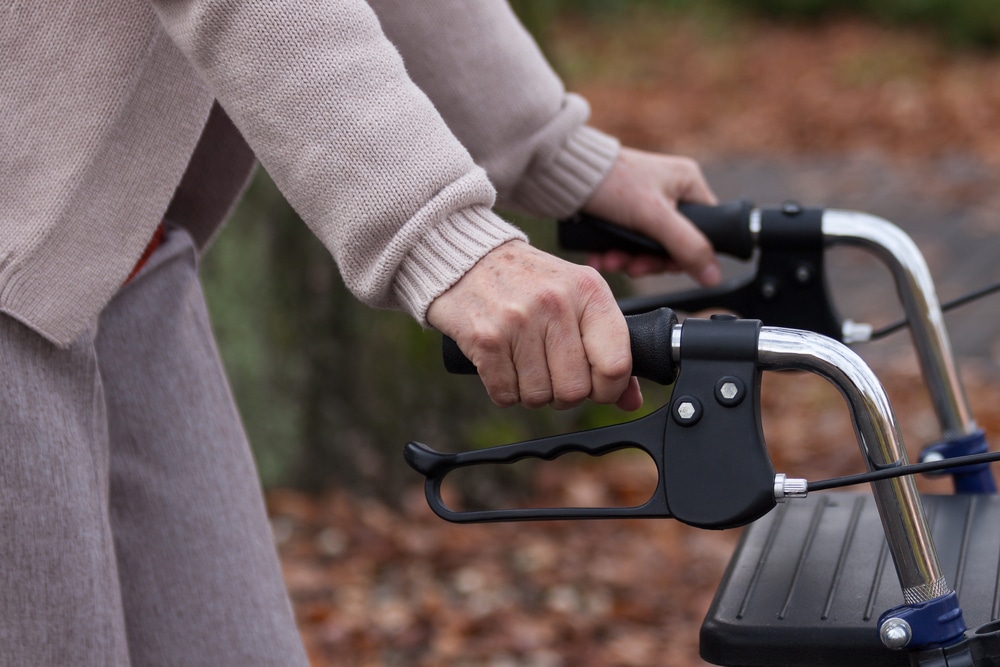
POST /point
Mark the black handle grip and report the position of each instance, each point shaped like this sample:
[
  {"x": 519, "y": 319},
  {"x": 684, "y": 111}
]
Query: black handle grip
[
  {"x": 727, "y": 226},
  {"x": 652, "y": 356}
]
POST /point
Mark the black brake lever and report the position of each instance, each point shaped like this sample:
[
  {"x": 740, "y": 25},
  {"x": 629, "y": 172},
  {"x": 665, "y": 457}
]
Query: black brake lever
[
  {"x": 435, "y": 466},
  {"x": 787, "y": 287},
  {"x": 707, "y": 444}
]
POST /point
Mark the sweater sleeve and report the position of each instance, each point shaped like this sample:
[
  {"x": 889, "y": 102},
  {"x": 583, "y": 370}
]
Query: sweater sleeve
[
  {"x": 323, "y": 99},
  {"x": 501, "y": 98}
]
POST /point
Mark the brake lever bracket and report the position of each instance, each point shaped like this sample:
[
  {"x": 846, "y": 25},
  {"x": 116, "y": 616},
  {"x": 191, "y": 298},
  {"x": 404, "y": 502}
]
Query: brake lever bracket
[
  {"x": 788, "y": 287},
  {"x": 718, "y": 473}
]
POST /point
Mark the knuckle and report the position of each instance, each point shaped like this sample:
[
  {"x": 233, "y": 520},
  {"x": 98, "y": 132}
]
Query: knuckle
[
  {"x": 503, "y": 398},
  {"x": 588, "y": 275},
  {"x": 487, "y": 342},
  {"x": 590, "y": 283},
  {"x": 538, "y": 398},
  {"x": 615, "y": 369},
  {"x": 572, "y": 394},
  {"x": 692, "y": 165},
  {"x": 551, "y": 302},
  {"x": 689, "y": 166}
]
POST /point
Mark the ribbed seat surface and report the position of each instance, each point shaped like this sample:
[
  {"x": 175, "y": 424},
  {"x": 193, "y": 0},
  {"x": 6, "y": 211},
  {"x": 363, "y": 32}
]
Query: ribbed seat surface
[{"x": 808, "y": 581}]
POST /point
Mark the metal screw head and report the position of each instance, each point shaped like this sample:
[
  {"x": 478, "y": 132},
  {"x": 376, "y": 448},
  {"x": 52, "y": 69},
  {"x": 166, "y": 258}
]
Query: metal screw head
[
  {"x": 791, "y": 208},
  {"x": 687, "y": 410},
  {"x": 895, "y": 633},
  {"x": 769, "y": 290},
  {"x": 729, "y": 391},
  {"x": 803, "y": 274},
  {"x": 855, "y": 332}
]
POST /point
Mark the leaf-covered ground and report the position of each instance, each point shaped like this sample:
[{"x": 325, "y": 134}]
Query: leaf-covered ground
[{"x": 374, "y": 586}]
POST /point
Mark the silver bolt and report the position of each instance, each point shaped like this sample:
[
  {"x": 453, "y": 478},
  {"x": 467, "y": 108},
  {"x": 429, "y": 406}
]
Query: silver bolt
[
  {"x": 803, "y": 274},
  {"x": 729, "y": 391},
  {"x": 856, "y": 332},
  {"x": 895, "y": 633},
  {"x": 769, "y": 290},
  {"x": 686, "y": 410}
]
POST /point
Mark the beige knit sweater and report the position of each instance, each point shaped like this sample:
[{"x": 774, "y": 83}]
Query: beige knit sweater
[{"x": 385, "y": 124}]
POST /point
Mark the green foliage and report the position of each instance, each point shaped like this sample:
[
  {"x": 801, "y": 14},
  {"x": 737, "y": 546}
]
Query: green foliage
[
  {"x": 964, "y": 23},
  {"x": 254, "y": 339}
]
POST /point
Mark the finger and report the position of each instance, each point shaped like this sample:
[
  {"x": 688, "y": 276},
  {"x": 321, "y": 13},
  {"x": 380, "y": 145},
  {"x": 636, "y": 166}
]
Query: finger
[
  {"x": 569, "y": 368},
  {"x": 495, "y": 364},
  {"x": 606, "y": 343},
  {"x": 645, "y": 265},
  {"x": 696, "y": 188},
  {"x": 688, "y": 247},
  {"x": 631, "y": 400},
  {"x": 530, "y": 361},
  {"x": 633, "y": 265},
  {"x": 611, "y": 260}
]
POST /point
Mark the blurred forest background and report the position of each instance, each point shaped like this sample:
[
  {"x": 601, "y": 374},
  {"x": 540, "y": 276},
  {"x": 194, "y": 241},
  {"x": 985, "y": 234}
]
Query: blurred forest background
[{"x": 330, "y": 390}]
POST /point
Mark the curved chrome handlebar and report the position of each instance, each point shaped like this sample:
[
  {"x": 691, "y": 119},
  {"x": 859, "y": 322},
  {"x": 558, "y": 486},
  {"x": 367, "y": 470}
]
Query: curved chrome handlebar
[
  {"x": 897, "y": 499},
  {"x": 919, "y": 299}
]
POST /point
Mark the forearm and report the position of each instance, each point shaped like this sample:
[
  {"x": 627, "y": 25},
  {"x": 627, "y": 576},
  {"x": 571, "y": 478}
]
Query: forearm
[
  {"x": 501, "y": 98},
  {"x": 323, "y": 99}
]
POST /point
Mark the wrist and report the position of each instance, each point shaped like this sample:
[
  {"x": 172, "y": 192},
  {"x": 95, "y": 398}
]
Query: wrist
[{"x": 564, "y": 183}]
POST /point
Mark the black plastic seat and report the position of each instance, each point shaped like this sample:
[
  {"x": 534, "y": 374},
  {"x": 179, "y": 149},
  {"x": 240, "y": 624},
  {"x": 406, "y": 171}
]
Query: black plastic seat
[{"x": 807, "y": 583}]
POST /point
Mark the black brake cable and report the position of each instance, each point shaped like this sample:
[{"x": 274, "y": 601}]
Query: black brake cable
[
  {"x": 901, "y": 470},
  {"x": 914, "y": 468},
  {"x": 954, "y": 303}
]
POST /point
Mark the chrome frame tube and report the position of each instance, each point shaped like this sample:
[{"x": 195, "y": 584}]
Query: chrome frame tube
[
  {"x": 881, "y": 443},
  {"x": 920, "y": 303}
]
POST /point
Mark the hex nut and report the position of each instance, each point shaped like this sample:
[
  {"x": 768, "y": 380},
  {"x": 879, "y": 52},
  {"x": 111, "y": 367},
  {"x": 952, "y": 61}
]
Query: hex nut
[
  {"x": 687, "y": 410},
  {"x": 729, "y": 391}
]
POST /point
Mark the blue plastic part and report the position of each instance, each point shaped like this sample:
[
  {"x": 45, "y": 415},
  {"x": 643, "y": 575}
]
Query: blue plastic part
[
  {"x": 975, "y": 478},
  {"x": 935, "y": 623}
]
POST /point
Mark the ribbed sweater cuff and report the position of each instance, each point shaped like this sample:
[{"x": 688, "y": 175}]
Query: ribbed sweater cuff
[
  {"x": 446, "y": 254},
  {"x": 564, "y": 184}
]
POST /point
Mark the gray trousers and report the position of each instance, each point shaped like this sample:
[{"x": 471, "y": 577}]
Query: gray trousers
[{"x": 133, "y": 526}]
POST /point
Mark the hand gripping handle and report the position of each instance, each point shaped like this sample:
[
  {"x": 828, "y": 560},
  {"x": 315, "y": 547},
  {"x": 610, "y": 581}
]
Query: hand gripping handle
[
  {"x": 650, "y": 339},
  {"x": 727, "y": 226},
  {"x": 706, "y": 443},
  {"x": 788, "y": 287}
]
